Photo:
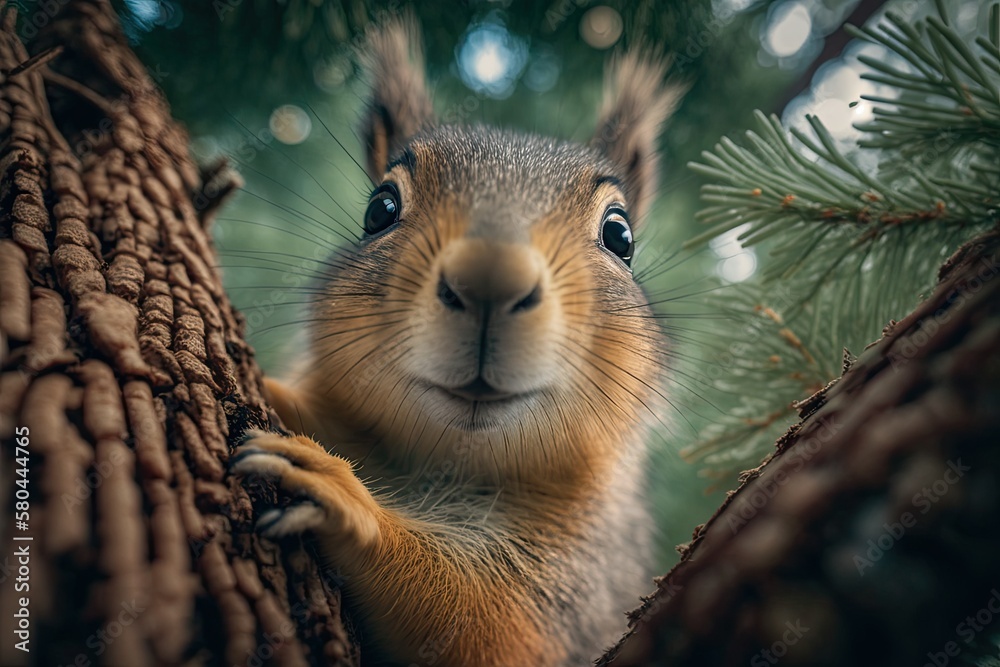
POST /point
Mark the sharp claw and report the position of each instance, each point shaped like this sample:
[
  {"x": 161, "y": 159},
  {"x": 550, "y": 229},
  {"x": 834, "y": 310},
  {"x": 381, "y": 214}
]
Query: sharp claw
[
  {"x": 241, "y": 455},
  {"x": 260, "y": 462},
  {"x": 276, "y": 523},
  {"x": 268, "y": 519},
  {"x": 249, "y": 435}
]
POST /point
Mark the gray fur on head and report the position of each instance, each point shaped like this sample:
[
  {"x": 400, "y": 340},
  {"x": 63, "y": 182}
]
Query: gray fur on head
[
  {"x": 636, "y": 105},
  {"x": 400, "y": 106}
]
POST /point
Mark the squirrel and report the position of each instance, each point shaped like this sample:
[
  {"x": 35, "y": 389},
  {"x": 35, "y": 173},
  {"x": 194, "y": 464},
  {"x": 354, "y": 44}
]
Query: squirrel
[{"x": 485, "y": 370}]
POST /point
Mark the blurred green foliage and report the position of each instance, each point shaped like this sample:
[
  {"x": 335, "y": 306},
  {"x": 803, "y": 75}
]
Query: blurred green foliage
[{"x": 225, "y": 65}]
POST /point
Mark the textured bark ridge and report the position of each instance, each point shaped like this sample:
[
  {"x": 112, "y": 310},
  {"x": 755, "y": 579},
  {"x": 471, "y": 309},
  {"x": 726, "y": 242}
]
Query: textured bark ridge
[
  {"x": 122, "y": 354},
  {"x": 870, "y": 536}
]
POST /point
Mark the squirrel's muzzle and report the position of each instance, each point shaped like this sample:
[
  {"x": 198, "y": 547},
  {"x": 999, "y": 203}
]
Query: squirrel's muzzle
[
  {"x": 487, "y": 278},
  {"x": 487, "y": 323}
]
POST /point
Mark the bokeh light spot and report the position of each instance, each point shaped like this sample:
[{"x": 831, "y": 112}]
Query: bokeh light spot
[
  {"x": 738, "y": 268},
  {"x": 736, "y": 264},
  {"x": 601, "y": 27},
  {"x": 290, "y": 124},
  {"x": 491, "y": 59},
  {"x": 789, "y": 30},
  {"x": 543, "y": 72}
]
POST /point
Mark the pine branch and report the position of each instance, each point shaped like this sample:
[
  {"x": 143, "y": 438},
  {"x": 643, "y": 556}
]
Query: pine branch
[
  {"x": 786, "y": 180},
  {"x": 844, "y": 248},
  {"x": 761, "y": 367},
  {"x": 776, "y": 187},
  {"x": 962, "y": 80}
]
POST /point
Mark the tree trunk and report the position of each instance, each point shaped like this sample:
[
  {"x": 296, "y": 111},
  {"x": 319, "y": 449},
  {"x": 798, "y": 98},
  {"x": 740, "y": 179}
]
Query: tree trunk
[
  {"x": 866, "y": 538},
  {"x": 125, "y": 377},
  {"x": 870, "y": 536}
]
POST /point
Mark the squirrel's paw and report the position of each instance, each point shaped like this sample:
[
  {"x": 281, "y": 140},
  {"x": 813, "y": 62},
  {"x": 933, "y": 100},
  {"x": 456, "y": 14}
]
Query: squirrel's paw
[{"x": 334, "y": 501}]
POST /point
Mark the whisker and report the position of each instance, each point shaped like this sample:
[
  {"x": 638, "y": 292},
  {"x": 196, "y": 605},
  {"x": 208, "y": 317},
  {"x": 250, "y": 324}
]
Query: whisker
[
  {"x": 284, "y": 155},
  {"x": 302, "y": 215},
  {"x": 315, "y": 237},
  {"x": 346, "y": 152}
]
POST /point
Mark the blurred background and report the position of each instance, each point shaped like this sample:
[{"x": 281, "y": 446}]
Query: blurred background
[{"x": 276, "y": 88}]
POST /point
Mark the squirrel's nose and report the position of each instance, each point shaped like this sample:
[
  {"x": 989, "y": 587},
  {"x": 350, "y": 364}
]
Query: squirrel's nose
[{"x": 488, "y": 277}]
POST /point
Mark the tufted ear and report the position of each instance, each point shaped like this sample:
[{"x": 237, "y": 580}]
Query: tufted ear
[
  {"x": 636, "y": 104},
  {"x": 400, "y": 105}
]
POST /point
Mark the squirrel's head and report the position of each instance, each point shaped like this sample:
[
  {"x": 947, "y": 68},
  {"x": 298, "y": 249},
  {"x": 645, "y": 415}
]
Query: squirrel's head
[{"x": 489, "y": 316}]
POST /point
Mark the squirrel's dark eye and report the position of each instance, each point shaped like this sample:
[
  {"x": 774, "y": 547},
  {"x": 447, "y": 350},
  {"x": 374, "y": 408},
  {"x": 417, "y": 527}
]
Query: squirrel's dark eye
[
  {"x": 383, "y": 209},
  {"x": 616, "y": 235}
]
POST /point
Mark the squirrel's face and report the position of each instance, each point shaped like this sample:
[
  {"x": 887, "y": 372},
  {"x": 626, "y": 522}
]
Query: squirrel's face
[{"x": 490, "y": 303}]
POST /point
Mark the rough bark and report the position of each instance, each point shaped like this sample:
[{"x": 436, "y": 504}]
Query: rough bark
[
  {"x": 123, "y": 356},
  {"x": 871, "y": 533}
]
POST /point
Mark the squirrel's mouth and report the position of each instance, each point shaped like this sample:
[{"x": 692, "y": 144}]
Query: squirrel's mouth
[
  {"x": 479, "y": 391},
  {"x": 478, "y": 406}
]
